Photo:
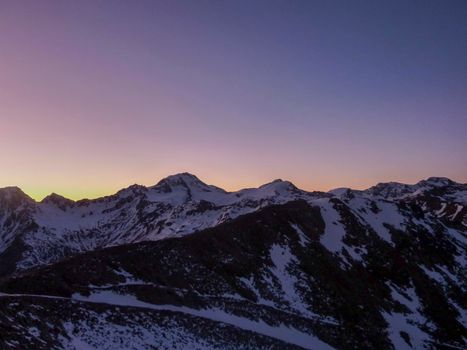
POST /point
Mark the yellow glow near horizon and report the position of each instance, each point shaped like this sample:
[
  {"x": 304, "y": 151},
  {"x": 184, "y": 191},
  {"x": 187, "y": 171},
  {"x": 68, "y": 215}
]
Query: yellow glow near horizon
[{"x": 82, "y": 192}]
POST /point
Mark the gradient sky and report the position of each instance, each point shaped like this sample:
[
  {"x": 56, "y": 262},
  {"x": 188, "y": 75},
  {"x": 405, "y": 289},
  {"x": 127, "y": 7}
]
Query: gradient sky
[{"x": 97, "y": 95}]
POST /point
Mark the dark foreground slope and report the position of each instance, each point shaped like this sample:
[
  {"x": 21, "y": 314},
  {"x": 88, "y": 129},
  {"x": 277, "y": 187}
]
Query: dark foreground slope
[{"x": 264, "y": 280}]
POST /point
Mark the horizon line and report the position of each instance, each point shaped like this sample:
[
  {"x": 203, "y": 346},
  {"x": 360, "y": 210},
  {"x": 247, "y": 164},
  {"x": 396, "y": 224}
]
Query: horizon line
[{"x": 40, "y": 199}]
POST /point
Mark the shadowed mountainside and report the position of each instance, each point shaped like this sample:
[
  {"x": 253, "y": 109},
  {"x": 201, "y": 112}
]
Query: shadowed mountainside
[{"x": 292, "y": 275}]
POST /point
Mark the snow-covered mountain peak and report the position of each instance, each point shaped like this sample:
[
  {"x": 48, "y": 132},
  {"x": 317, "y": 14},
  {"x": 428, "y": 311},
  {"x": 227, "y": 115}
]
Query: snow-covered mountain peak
[
  {"x": 394, "y": 190},
  {"x": 14, "y": 194},
  {"x": 58, "y": 201},
  {"x": 182, "y": 188},
  {"x": 132, "y": 190},
  {"x": 182, "y": 180},
  {"x": 279, "y": 187},
  {"x": 340, "y": 191},
  {"x": 436, "y": 182},
  {"x": 390, "y": 189}
]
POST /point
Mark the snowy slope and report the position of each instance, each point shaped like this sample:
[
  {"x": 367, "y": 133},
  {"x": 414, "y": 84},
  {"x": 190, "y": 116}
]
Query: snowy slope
[{"x": 296, "y": 275}]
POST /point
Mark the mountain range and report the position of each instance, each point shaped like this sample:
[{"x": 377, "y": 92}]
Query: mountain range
[{"x": 187, "y": 265}]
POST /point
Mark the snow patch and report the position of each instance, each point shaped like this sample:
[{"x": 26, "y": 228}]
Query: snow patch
[
  {"x": 334, "y": 230},
  {"x": 282, "y": 332}
]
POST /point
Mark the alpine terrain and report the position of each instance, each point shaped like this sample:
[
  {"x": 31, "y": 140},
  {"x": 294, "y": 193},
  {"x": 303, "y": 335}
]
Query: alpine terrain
[{"x": 186, "y": 265}]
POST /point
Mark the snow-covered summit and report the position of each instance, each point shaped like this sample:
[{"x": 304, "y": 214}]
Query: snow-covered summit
[
  {"x": 437, "y": 182},
  {"x": 279, "y": 190},
  {"x": 390, "y": 189},
  {"x": 13, "y": 193},
  {"x": 181, "y": 179},
  {"x": 58, "y": 200},
  {"x": 439, "y": 186},
  {"x": 340, "y": 191},
  {"x": 280, "y": 186},
  {"x": 186, "y": 187}
]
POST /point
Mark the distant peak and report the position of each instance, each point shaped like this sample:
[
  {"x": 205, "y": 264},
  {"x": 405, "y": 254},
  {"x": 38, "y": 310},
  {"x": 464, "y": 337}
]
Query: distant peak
[
  {"x": 11, "y": 189},
  {"x": 14, "y": 193},
  {"x": 133, "y": 189},
  {"x": 181, "y": 178},
  {"x": 340, "y": 191},
  {"x": 58, "y": 201},
  {"x": 280, "y": 184},
  {"x": 443, "y": 181},
  {"x": 389, "y": 184},
  {"x": 390, "y": 189}
]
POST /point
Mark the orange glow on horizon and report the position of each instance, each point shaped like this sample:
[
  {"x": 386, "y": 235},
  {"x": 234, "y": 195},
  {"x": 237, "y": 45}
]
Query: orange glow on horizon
[{"x": 83, "y": 192}]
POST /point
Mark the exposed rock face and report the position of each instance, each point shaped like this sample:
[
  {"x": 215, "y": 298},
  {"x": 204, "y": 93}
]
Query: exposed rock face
[{"x": 273, "y": 267}]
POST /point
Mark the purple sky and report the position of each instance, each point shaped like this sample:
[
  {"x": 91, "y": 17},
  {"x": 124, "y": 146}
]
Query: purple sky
[{"x": 97, "y": 95}]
